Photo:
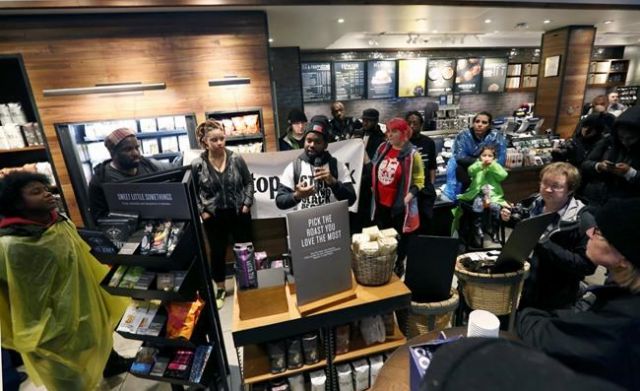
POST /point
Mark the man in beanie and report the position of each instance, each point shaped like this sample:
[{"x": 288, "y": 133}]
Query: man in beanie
[
  {"x": 612, "y": 168},
  {"x": 126, "y": 162},
  {"x": 604, "y": 339},
  {"x": 315, "y": 177},
  {"x": 294, "y": 138}
]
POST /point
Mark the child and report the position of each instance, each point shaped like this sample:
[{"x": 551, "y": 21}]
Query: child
[{"x": 484, "y": 197}]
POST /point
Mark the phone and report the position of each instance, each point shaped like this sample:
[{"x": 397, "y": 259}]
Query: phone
[{"x": 610, "y": 164}]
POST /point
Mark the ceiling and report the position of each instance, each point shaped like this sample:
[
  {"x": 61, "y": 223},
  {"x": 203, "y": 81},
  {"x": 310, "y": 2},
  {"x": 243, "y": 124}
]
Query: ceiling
[{"x": 389, "y": 26}]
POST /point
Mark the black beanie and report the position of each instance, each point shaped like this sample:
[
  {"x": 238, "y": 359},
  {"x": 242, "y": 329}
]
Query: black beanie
[
  {"x": 318, "y": 124},
  {"x": 595, "y": 122},
  {"x": 371, "y": 114},
  {"x": 296, "y": 115},
  {"x": 617, "y": 220}
]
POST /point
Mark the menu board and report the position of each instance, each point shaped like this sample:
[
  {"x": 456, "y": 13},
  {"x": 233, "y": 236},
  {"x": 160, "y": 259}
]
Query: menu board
[
  {"x": 412, "y": 77},
  {"x": 381, "y": 79},
  {"x": 468, "y": 75},
  {"x": 316, "y": 81},
  {"x": 440, "y": 74},
  {"x": 350, "y": 80},
  {"x": 494, "y": 74}
]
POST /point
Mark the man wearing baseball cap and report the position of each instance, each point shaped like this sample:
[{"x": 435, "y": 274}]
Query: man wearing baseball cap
[
  {"x": 315, "y": 177},
  {"x": 126, "y": 162},
  {"x": 603, "y": 340}
]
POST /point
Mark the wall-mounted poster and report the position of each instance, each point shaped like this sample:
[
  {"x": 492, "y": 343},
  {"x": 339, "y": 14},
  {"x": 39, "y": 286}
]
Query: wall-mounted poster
[
  {"x": 440, "y": 74},
  {"x": 350, "y": 80},
  {"x": 382, "y": 81},
  {"x": 412, "y": 77},
  {"x": 316, "y": 81},
  {"x": 468, "y": 75},
  {"x": 494, "y": 74}
]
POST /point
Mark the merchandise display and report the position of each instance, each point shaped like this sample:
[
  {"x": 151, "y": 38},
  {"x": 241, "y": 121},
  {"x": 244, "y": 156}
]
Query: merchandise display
[{"x": 243, "y": 129}]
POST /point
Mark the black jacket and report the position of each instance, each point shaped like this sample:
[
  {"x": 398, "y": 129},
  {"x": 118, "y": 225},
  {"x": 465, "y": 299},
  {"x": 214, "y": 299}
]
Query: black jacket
[
  {"x": 559, "y": 260},
  {"x": 343, "y": 130},
  {"x": 287, "y": 142},
  {"x": 603, "y": 341}
]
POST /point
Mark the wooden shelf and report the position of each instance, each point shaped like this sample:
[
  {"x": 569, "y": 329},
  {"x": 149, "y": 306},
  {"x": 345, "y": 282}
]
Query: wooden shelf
[
  {"x": 521, "y": 89},
  {"x": 257, "y": 367},
  {"x": 358, "y": 349},
  {"x": 25, "y": 149}
]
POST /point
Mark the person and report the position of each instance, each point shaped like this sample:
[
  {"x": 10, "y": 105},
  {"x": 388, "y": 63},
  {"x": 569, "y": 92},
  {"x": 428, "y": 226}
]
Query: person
[
  {"x": 52, "y": 309},
  {"x": 315, "y": 177},
  {"x": 575, "y": 151},
  {"x": 342, "y": 127},
  {"x": 615, "y": 107},
  {"x": 371, "y": 133},
  {"x": 225, "y": 196},
  {"x": 294, "y": 139},
  {"x": 601, "y": 339},
  {"x": 126, "y": 162},
  {"x": 611, "y": 168},
  {"x": 485, "y": 194},
  {"x": 466, "y": 149},
  {"x": 599, "y": 104},
  {"x": 427, "y": 149},
  {"x": 397, "y": 176},
  {"x": 558, "y": 263}
]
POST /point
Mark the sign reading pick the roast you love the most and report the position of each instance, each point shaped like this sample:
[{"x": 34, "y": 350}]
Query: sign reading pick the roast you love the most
[{"x": 320, "y": 250}]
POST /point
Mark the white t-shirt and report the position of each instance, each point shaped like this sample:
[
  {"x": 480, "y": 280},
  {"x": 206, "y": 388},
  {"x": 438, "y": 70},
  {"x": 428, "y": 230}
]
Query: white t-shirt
[{"x": 323, "y": 194}]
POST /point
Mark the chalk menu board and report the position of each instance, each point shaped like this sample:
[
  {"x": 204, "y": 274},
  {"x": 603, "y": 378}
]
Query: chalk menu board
[
  {"x": 412, "y": 75},
  {"x": 316, "y": 81},
  {"x": 494, "y": 74},
  {"x": 440, "y": 77},
  {"x": 468, "y": 75},
  {"x": 381, "y": 79},
  {"x": 350, "y": 80}
]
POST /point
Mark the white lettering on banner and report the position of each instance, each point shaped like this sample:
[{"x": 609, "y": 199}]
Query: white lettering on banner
[{"x": 267, "y": 167}]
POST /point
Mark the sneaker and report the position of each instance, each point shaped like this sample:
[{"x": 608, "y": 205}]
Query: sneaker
[{"x": 220, "y": 295}]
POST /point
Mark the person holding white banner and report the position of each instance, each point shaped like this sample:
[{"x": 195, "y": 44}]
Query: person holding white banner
[{"x": 315, "y": 177}]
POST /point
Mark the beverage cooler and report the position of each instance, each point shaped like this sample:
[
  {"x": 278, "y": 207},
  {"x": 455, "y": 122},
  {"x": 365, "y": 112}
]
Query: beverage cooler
[{"x": 163, "y": 138}]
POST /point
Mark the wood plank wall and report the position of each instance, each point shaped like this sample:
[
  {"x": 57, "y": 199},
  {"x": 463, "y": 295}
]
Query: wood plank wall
[
  {"x": 184, "y": 50},
  {"x": 559, "y": 99}
]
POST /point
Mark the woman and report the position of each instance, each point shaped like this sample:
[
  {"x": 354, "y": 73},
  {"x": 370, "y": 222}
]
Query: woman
[
  {"x": 397, "y": 177},
  {"x": 225, "y": 196},
  {"x": 52, "y": 309},
  {"x": 589, "y": 132},
  {"x": 466, "y": 150}
]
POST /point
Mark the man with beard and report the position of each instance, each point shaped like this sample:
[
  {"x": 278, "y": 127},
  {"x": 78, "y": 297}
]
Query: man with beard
[
  {"x": 126, "y": 162},
  {"x": 315, "y": 177}
]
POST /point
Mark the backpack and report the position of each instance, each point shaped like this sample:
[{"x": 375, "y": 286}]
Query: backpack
[{"x": 297, "y": 167}]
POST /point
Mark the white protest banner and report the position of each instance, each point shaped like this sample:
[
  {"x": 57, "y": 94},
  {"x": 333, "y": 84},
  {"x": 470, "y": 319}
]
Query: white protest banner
[{"x": 267, "y": 167}]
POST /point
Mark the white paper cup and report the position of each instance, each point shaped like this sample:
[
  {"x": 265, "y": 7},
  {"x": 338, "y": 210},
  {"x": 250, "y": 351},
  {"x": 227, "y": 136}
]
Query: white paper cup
[{"x": 483, "y": 324}]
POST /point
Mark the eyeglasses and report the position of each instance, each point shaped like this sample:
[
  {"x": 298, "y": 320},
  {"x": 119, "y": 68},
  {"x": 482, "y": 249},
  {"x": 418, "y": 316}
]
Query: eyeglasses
[{"x": 555, "y": 187}]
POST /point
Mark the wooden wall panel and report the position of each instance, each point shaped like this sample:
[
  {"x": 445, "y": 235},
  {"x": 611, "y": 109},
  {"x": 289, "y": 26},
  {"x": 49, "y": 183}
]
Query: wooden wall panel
[{"x": 184, "y": 50}]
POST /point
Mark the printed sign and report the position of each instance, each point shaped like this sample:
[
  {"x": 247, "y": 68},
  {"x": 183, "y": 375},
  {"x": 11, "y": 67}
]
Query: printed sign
[
  {"x": 494, "y": 74},
  {"x": 316, "y": 81},
  {"x": 440, "y": 74},
  {"x": 350, "y": 80},
  {"x": 412, "y": 77},
  {"x": 151, "y": 200},
  {"x": 468, "y": 75},
  {"x": 381, "y": 77}
]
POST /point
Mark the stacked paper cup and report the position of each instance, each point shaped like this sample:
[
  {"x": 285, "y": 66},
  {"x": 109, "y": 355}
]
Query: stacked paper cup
[{"x": 483, "y": 324}]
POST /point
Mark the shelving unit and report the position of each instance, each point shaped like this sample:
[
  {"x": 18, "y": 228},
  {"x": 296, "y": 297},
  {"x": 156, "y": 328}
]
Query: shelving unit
[
  {"x": 628, "y": 95},
  {"x": 249, "y": 334},
  {"x": 607, "y": 73},
  {"x": 522, "y": 77},
  {"x": 190, "y": 254},
  {"x": 236, "y": 135}
]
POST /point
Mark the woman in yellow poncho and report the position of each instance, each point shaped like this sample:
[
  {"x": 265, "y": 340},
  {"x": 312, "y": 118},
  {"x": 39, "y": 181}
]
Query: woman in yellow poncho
[{"x": 52, "y": 309}]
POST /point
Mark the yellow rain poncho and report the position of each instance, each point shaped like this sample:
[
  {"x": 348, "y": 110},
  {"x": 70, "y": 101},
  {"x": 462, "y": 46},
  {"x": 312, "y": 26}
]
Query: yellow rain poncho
[{"x": 52, "y": 308}]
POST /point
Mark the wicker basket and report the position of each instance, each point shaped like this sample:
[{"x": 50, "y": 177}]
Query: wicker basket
[
  {"x": 491, "y": 292},
  {"x": 426, "y": 317},
  {"x": 372, "y": 271}
]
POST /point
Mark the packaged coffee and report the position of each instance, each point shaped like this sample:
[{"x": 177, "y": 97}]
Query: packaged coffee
[
  {"x": 360, "y": 373},
  {"x": 310, "y": 348},
  {"x": 342, "y": 339},
  {"x": 296, "y": 383},
  {"x": 294, "y": 353},
  {"x": 246, "y": 274},
  {"x": 277, "y": 356},
  {"x": 345, "y": 382},
  {"x": 318, "y": 380},
  {"x": 375, "y": 365},
  {"x": 279, "y": 385}
]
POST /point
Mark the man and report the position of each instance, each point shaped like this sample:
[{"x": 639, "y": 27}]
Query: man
[
  {"x": 294, "y": 138},
  {"x": 342, "y": 127},
  {"x": 615, "y": 107},
  {"x": 424, "y": 144},
  {"x": 315, "y": 177},
  {"x": 371, "y": 133},
  {"x": 126, "y": 162},
  {"x": 604, "y": 339}
]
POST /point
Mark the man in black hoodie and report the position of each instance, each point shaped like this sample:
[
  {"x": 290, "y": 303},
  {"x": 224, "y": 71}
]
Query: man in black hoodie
[
  {"x": 611, "y": 169},
  {"x": 126, "y": 162}
]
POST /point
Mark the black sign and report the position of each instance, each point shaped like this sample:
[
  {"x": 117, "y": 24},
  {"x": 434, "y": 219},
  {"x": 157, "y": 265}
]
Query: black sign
[
  {"x": 440, "y": 77},
  {"x": 316, "y": 81},
  {"x": 350, "y": 82},
  {"x": 468, "y": 75},
  {"x": 494, "y": 74},
  {"x": 381, "y": 81},
  {"x": 151, "y": 200}
]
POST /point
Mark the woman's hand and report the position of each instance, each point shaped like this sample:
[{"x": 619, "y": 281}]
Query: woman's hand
[
  {"x": 205, "y": 215},
  {"x": 620, "y": 169},
  {"x": 246, "y": 209}
]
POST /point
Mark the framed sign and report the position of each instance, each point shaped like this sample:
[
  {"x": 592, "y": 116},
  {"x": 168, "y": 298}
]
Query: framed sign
[
  {"x": 412, "y": 75},
  {"x": 468, "y": 75},
  {"x": 316, "y": 81},
  {"x": 440, "y": 74},
  {"x": 494, "y": 74},
  {"x": 552, "y": 66},
  {"x": 349, "y": 79},
  {"x": 381, "y": 83}
]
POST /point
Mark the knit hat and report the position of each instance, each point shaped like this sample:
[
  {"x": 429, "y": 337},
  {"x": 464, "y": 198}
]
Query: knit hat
[
  {"x": 617, "y": 220},
  {"x": 401, "y": 125},
  {"x": 371, "y": 114},
  {"x": 296, "y": 115},
  {"x": 318, "y": 124},
  {"x": 116, "y": 137}
]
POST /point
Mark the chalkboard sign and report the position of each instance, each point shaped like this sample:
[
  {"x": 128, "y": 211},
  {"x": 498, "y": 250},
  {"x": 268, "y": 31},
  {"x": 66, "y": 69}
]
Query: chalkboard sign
[
  {"x": 350, "y": 80},
  {"x": 411, "y": 77},
  {"x": 494, "y": 74},
  {"x": 381, "y": 79},
  {"x": 440, "y": 77},
  {"x": 468, "y": 75},
  {"x": 316, "y": 81}
]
